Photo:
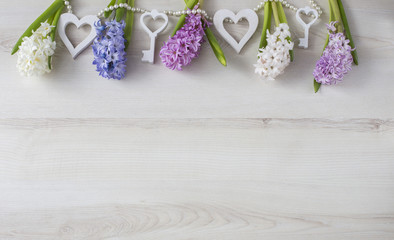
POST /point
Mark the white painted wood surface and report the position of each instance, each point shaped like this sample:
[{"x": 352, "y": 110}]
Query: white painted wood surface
[{"x": 207, "y": 153}]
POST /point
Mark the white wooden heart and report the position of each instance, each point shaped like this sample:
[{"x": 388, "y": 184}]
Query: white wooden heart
[
  {"x": 247, "y": 14},
  {"x": 149, "y": 55},
  {"x": 68, "y": 18}
]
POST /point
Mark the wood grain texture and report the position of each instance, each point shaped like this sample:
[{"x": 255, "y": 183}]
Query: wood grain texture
[
  {"x": 207, "y": 153},
  {"x": 196, "y": 179}
]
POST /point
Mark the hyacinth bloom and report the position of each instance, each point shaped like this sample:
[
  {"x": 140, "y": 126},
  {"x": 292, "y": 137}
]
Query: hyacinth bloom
[
  {"x": 109, "y": 49},
  {"x": 34, "y": 52},
  {"x": 339, "y": 52},
  {"x": 275, "y": 57},
  {"x": 185, "y": 45},
  {"x": 336, "y": 60},
  {"x": 276, "y": 49}
]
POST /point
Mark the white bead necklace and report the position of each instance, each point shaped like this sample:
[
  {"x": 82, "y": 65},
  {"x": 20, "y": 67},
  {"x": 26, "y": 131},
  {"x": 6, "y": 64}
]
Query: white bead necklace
[{"x": 259, "y": 7}]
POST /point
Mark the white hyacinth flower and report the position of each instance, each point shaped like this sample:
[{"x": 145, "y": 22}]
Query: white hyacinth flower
[
  {"x": 34, "y": 52},
  {"x": 275, "y": 57}
]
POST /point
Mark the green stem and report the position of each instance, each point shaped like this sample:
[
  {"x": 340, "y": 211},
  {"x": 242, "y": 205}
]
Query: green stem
[
  {"x": 276, "y": 15},
  {"x": 347, "y": 31},
  {"x": 337, "y": 14},
  {"x": 55, "y": 21},
  {"x": 36, "y": 24},
  {"x": 107, "y": 14},
  {"x": 50, "y": 20},
  {"x": 53, "y": 32},
  {"x": 189, "y": 5},
  {"x": 215, "y": 46},
  {"x": 129, "y": 24},
  {"x": 266, "y": 24},
  {"x": 120, "y": 11}
]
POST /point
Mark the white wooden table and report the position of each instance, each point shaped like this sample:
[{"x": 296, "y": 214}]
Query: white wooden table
[{"x": 207, "y": 153}]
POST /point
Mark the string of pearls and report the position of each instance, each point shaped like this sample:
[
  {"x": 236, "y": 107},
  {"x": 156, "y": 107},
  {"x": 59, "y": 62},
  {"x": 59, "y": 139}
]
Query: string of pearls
[
  {"x": 68, "y": 6},
  {"x": 141, "y": 10},
  {"x": 259, "y": 7},
  {"x": 290, "y": 6}
]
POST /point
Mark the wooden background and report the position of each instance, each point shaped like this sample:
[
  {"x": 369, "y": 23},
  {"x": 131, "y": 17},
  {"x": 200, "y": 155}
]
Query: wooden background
[{"x": 207, "y": 153}]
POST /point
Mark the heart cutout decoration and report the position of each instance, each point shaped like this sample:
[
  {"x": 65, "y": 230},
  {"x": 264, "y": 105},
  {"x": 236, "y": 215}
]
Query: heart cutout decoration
[
  {"x": 247, "y": 14},
  {"x": 69, "y": 18},
  {"x": 149, "y": 55},
  {"x": 306, "y": 10},
  {"x": 154, "y": 14}
]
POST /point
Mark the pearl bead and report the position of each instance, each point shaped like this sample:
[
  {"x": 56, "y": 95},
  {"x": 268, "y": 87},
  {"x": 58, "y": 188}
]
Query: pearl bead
[
  {"x": 198, "y": 10},
  {"x": 111, "y": 8},
  {"x": 194, "y": 11},
  {"x": 188, "y": 12},
  {"x": 116, "y": 6},
  {"x": 106, "y": 9},
  {"x": 66, "y": 3},
  {"x": 133, "y": 9},
  {"x": 255, "y": 9},
  {"x": 69, "y": 7}
]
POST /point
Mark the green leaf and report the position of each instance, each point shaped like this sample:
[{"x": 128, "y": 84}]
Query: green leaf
[
  {"x": 129, "y": 24},
  {"x": 347, "y": 31},
  {"x": 36, "y": 24},
  {"x": 266, "y": 24},
  {"x": 189, "y": 5},
  {"x": 316, "y": 85},
  {"x": 107, "y": 14},
  {"x": 53, "y": 32},
  {"x": 215, "y": 46},
  {"x": 120, "y": 11}
]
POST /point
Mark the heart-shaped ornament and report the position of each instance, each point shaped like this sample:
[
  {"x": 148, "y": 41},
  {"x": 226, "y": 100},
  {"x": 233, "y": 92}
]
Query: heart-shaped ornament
[
  {"x": 306, "y": 10},
  {"x": 69, "y": 18},
  {"x": 304, "y": 42},
  {"x": 247, "y": 14},
  {"x": 149, "y": 55}
]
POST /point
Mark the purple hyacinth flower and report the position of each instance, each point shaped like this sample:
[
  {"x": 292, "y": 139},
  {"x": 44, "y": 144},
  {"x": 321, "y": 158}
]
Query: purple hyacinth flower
[
  {"x": 185, "y": 45},
  {"x": 109, "y": 49},
  {"x": 336, "y": 60}
]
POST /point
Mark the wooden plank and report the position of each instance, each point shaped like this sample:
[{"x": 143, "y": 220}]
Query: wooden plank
[{"x": 196, "y": 179}]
